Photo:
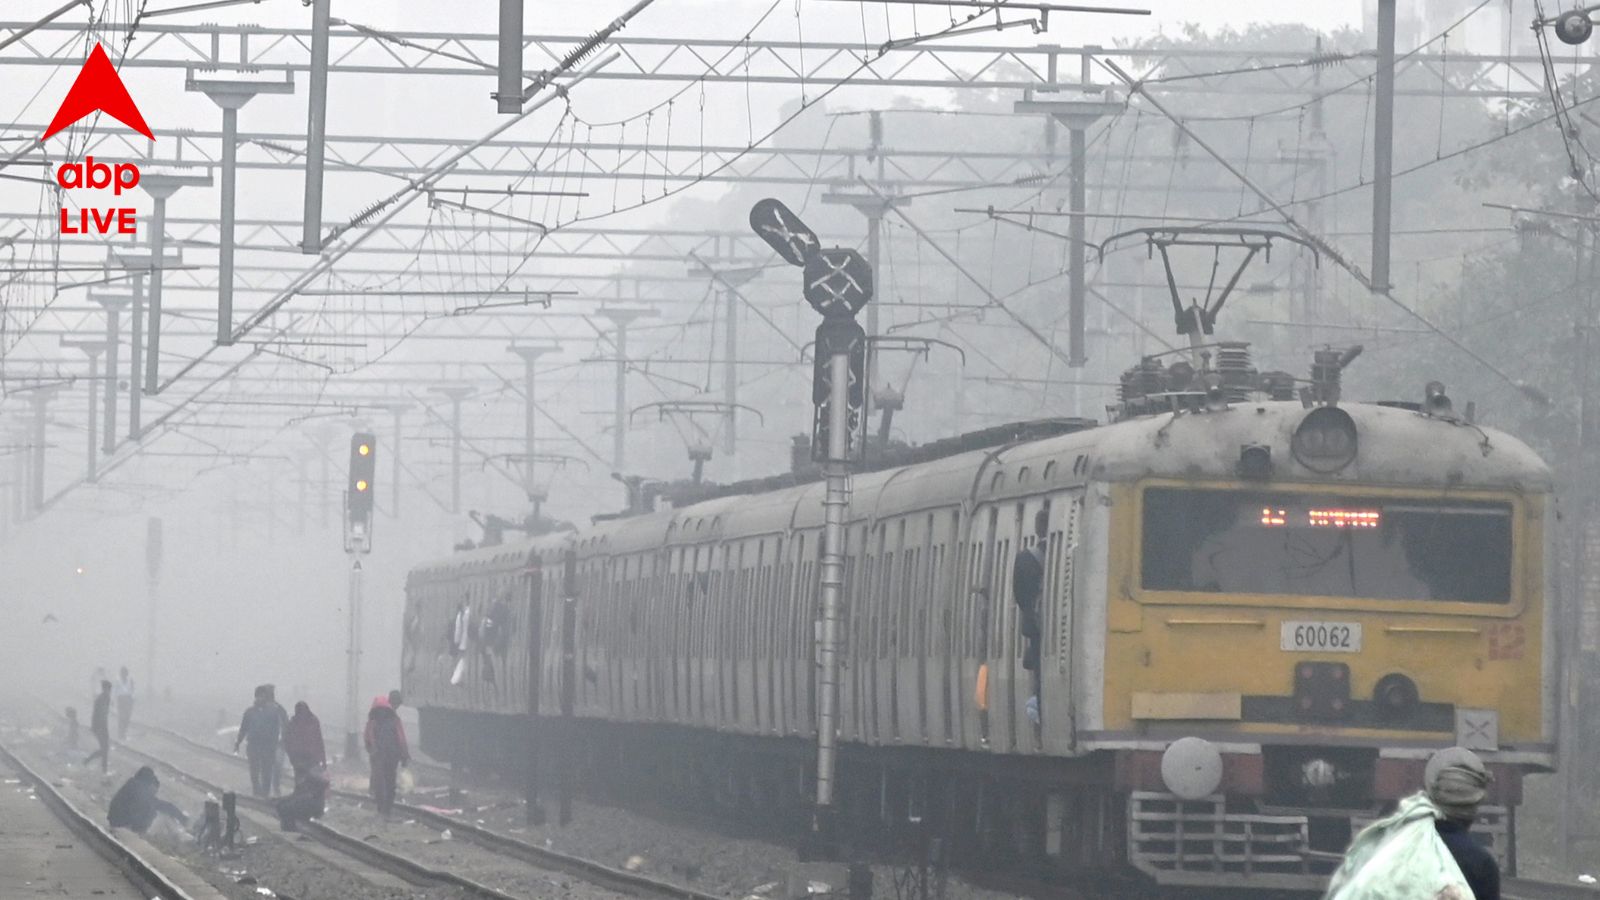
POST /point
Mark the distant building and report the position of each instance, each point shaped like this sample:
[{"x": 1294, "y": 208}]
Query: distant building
[{"x": 1500, "y": 28}]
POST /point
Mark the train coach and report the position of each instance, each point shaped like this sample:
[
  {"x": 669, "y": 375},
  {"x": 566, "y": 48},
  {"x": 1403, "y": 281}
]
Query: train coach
[{"x": 1258, "y": 618}]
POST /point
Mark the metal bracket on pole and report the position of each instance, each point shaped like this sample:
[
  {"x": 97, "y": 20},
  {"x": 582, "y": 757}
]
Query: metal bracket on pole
[
  {"x": 160, "y": 186},
  {"x": 231, "y": 95},
  {"x": 1077, "y": 116}
]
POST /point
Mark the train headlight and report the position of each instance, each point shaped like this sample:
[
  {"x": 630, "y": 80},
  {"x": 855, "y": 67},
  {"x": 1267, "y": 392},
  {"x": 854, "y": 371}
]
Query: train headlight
[
  {"x": 1191, "y": 768},
  {"x": 1325, "y": 441},
  {"x": 1395, "y": 696}
]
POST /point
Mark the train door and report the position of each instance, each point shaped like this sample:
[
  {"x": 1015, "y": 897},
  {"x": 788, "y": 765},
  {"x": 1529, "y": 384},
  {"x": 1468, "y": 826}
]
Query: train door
[
  {"x": 931, "y": 629},
  {"x": 855, "y": 677},
  {"x": 1025, "y": 735},
  {"x": 1058, "y": 626},
  {"x": 907, "y": 646},
  {"x": 974, "y": 688},
  {"x": 1003, "y": 651}
]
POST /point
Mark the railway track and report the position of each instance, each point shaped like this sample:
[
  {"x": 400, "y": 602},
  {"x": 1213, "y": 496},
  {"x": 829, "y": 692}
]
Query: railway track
[
  {"x": 149, "y": 880},
  {"x": 628, "y": 882},
  {"x": 1528, "y": 889},
  {"x": 587, "y": 870}
]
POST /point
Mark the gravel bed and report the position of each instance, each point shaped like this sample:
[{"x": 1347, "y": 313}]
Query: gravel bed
[
  {"x": 400, "y": 835},
  {"x": 267, "y": 865},
  {"x": 707, "y": 861}
]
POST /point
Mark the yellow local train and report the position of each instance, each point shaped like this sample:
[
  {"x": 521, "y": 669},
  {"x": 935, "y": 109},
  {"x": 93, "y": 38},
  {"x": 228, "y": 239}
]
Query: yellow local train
[{"x": 1258, "y": 617}]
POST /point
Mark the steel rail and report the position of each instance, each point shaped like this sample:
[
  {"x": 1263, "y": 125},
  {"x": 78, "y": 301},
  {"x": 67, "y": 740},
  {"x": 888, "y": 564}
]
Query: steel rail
[
  {"x": 144, "y": 876},
  {"x": 588, "y": 870},
  {"x": 1529, "y": 889},
  {"x": 408, "y": 870},
  {"x": 1511, "y": 888}
]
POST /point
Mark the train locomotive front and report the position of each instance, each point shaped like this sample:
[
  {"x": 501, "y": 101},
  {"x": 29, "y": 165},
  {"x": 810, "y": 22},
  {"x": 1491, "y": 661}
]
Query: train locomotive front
[{"x": 1258, "y": 619}]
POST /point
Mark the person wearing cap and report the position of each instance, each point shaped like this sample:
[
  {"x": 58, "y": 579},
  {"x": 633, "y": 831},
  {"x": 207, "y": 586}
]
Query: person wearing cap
[{"x": 1457, "y": 782}]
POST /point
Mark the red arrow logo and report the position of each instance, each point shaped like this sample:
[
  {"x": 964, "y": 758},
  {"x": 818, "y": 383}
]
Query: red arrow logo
[{"x": 98, "y": 87}]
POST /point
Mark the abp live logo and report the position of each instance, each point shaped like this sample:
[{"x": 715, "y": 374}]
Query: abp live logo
[{"x": 98, "y": 88}]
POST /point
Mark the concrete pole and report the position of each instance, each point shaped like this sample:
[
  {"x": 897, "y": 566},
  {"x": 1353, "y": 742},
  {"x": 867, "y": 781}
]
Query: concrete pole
[
  {"x": 135, "y": 357},
  {"x": 230, "y": 96},
  {"x": 158, "y": 248},
  {"x": 316, "y": 129},
  {"x": 91, "y": 349},
  {"x": 1383, "y": 145},
  {"x": 730, "y": 373},
  {"x": 160, "y": 186},
  {"x": 40, "y": 398},
  {"x": 225, "y": 244},
  {"x": 1077, "y": 297},
  {"x": 352, "y": 672},
  {"x": 621, "y": 318},
  {"x": 398, "y": 411},
  {"x": 508, "y": 96},
  {"x": 530, "y": 483},
  {"x": 320, "y": 438},
  {"x": 112, "y": 304},
  {"x": 455, "y": 393}
]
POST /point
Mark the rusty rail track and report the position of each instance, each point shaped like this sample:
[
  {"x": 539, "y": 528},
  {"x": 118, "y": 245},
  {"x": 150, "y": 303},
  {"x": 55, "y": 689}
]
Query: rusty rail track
[{"x": 136, "y": 868}]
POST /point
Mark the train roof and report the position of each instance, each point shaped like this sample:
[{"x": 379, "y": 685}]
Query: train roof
[{"x": 1396, "y": 445}]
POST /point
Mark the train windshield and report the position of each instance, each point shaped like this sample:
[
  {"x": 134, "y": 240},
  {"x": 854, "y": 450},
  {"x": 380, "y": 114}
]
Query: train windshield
[{"x": 1213, "y": 541}]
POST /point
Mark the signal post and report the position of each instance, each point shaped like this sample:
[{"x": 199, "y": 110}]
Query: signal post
[
  {"x": 358, "y": 517},
  {"x": 838, "y": 284}
]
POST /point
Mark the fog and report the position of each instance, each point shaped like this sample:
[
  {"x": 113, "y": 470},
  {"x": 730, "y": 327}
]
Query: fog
[{"x": 251, "y": 581}]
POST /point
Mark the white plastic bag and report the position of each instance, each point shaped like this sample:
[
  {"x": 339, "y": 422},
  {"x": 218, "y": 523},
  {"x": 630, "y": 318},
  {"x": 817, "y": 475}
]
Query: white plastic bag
[{"x": 1400, "y": 857}]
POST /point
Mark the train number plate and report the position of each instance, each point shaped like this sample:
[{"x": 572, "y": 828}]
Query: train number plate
[{"x": 1326, "y": 637}]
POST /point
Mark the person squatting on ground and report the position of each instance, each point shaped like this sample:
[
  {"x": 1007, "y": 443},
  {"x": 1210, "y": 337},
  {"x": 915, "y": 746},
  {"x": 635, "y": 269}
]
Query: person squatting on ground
[
  {"x": 259, "y": 731},
  {"x": 302, "y": 743},
  {"x": 123, "y": 692},
  {"x": 308, "y": 801},
  {"x": 136, "y": 805},
  {"x": 100, "y": 727},
  {"x": 386, "y": 748}
]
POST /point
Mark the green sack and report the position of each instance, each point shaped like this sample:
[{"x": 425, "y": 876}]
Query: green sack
[{"x": 1400, "y": 857}]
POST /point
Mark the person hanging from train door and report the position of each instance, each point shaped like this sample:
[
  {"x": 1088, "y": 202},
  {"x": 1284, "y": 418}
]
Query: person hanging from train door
[
  {"x": 494, "y": 639},
  {"x": 460, "y": 626},
  {"x": 1027, "y": 586}
]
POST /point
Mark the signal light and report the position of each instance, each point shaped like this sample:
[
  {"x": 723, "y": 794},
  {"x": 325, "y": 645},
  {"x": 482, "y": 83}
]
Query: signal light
[{"x": 363, "y": 463}]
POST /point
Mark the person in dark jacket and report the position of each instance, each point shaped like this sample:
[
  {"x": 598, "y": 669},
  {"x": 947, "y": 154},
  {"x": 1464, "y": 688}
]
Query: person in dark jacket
[
  {"x": 1027, "y": 589},
  {"x": 1457, "y": 782},
  {"x": 386, "y": 748},
  {"x": 308, "y": 801},
  {"x": 100, "y": 727},
  {"x": 259, "y": 730},
  {"x": 136, "y": 805},
  {"x": 302, "y": 743}
]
